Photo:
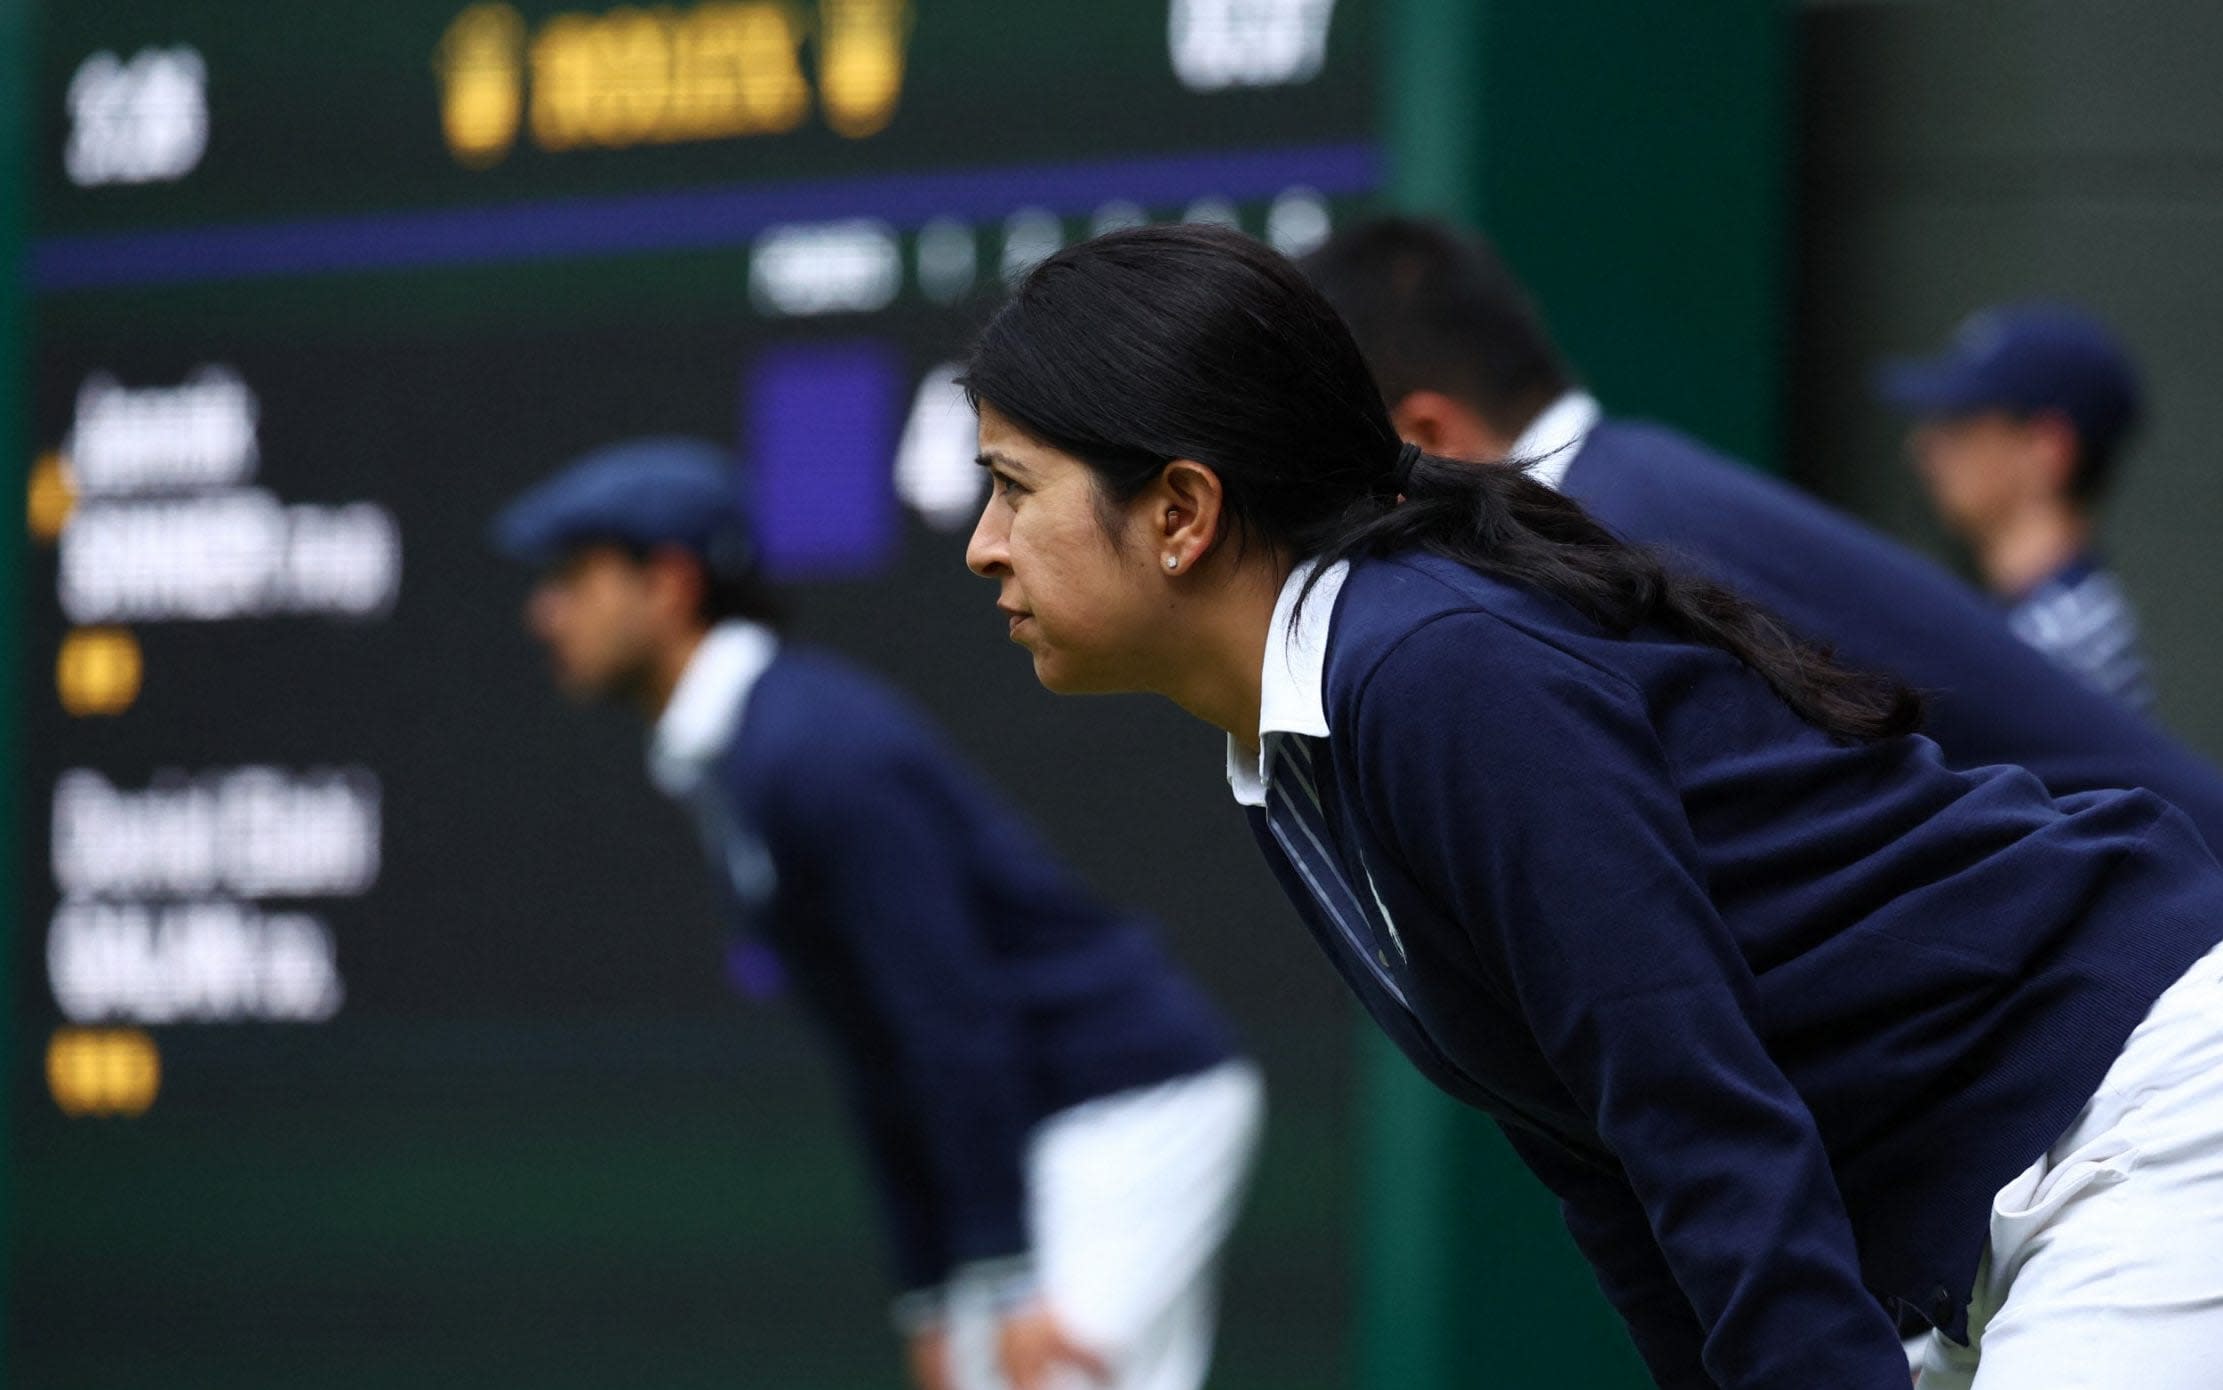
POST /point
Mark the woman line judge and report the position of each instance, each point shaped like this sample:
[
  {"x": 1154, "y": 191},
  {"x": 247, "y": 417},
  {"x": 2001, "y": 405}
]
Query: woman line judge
[{"x": 1804, "y": 1028}]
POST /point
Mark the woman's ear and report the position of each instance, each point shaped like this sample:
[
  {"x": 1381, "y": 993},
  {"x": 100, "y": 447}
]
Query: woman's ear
[{"x": 1186, "y": 508}]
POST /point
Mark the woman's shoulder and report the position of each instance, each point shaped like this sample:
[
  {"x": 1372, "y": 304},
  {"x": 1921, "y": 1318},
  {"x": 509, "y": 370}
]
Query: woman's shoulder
[
  {"x": 1394, "y": 600},
  {"x": 1429, "y": 624},
  {"x": 1416, "y": 583}
]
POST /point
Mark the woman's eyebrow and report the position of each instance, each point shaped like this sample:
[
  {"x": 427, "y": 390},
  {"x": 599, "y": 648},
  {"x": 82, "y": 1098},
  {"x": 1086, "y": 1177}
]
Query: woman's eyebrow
[{"x": 992, "y": 460}]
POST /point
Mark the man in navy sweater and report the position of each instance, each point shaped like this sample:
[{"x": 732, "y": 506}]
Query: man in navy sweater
[
  {"x": 1468, "y": 371},
  {"x": 1060, "y": 1130}
]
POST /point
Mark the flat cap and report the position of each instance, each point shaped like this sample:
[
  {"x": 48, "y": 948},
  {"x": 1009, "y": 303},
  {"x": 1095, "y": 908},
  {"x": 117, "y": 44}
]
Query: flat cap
[
  {"x": 2024, "y": 358},
  {"x": 666, "y": 490}
]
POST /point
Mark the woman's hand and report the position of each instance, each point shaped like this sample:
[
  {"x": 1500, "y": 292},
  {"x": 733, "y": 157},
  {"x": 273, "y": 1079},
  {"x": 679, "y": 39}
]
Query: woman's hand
[{"x": 1032, "y": 1348}]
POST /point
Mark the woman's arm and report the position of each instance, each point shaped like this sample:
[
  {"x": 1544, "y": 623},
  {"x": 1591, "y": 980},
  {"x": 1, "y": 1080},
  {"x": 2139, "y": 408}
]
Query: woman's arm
[
  {"x": 1611, "y": 1229},
  {"x": 1527, "y": 790}
]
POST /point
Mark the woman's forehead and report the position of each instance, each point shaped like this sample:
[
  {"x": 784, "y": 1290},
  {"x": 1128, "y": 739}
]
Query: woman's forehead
[
  {"x": 1004, "y": 441},
  {"x": 1001, "y": 432}
]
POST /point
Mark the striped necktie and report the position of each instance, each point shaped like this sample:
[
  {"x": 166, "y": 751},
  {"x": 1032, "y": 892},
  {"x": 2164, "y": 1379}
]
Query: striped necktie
[
  {"x": 1299, "y": 822},
  {"x": 745, "y": 878}
]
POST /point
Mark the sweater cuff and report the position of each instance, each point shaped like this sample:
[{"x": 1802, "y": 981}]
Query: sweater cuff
[
  {"x": 918, "y": 1311},
  {"x": 1000, "y": 1285}
]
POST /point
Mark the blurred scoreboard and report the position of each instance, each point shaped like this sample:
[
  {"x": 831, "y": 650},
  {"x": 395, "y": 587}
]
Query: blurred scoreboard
[{"x": 369, "y": 1013}]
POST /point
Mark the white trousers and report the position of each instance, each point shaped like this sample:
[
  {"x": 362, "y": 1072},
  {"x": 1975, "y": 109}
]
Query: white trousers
[
  {"x": 1129, "y": 1199},
  {"x": 2105, "y": 1265}
]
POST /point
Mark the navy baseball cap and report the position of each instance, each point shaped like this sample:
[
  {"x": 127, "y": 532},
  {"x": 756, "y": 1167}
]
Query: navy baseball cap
[
  {"x": 641, "y": 492},
  {"x": 2024, "y": 358}
]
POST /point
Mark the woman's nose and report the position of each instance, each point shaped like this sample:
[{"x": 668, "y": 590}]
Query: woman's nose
[{"x": 987, "y": 554}]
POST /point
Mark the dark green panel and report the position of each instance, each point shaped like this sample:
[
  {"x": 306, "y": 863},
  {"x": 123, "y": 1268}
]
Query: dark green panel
[
  {"x": 1634, "y": 173},
  {"x": 1413, "y": 1290},
  {"x": 1435, "y": 109}
]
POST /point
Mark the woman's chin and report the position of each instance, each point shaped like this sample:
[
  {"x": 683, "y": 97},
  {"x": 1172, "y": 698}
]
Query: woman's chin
[
  {"x": 1053, "y": 675},
  {"x": 1061, "y": 676}
]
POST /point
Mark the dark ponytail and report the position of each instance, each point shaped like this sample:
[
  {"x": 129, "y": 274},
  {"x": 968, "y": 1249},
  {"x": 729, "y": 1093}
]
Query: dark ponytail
[
  {"x": 1195, "y": 342},
  {"x": 1499, "y": 521}
]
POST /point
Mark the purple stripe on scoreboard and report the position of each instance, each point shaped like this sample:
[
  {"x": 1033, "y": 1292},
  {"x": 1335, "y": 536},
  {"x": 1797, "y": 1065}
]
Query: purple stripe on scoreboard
[
  {"x": 689, "y": 219},
  {"x": 819, "y": 426}
]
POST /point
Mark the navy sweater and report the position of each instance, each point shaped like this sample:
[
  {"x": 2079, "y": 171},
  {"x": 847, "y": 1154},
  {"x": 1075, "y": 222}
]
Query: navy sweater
[
  {"x": 970, "y": 984},
  {"x": 1774, "y": 1016},
  {"x": 1992, "y": 698}
]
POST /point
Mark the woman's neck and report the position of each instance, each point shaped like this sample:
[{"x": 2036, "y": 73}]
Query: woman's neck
[{"x": 1215, "y": 671}]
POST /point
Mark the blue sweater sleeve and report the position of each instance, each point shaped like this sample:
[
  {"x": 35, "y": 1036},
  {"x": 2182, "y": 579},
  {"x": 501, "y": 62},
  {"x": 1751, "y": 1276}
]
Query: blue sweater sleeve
[
  {"x": 1610, "y": 1228},
  {"x": 948, "y": 1143},
  {"x": 1527, "y": 791}
]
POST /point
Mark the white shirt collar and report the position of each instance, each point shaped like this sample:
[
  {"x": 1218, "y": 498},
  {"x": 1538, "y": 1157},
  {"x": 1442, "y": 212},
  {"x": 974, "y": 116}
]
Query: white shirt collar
[
  {"x": 1292, "y": 689},
  {"x": 1292, "y": 686},
  {"x": 699, "y": 721},
  {"x": 1553, "y": 438}
]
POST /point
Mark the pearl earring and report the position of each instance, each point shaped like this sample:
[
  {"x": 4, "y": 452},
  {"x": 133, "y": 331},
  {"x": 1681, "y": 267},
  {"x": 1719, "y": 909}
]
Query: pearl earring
[{"x": 1173, "y": 562}]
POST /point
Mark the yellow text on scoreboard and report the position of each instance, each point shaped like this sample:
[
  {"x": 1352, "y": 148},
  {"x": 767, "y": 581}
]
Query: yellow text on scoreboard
[
  {"x": 663, "y": 75},
  {"x": 103, "y": 1071}
]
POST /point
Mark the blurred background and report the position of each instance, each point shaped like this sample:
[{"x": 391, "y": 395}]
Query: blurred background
[{"x": 366, "y": 1024}]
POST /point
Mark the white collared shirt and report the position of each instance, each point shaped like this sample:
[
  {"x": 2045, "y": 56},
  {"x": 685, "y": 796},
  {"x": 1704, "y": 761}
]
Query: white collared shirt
[
  {"x": 1552, "y": 439},
  {"x": 1292, "y": 685},
  {"x": 705, "y": 709}
]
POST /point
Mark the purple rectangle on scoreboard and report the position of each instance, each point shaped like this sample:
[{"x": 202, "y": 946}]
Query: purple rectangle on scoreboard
[{"x": 819, "y": 427}]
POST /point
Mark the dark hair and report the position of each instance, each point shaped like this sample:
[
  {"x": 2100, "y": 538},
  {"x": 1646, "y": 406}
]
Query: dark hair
[
  {"x": 2094, "y": 468},
  {"x": 1434, "y": 310},
  {"x": 745, "y": 595},
  {"x": 1194, "y": 342}
]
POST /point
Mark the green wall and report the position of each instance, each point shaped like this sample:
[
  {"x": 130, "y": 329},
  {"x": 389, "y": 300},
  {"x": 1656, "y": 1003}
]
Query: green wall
[{"x": 1631, "y": 162}]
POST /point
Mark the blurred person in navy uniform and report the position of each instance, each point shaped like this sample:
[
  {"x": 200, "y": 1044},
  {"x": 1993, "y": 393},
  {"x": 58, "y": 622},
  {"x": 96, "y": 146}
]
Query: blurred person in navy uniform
[
  {"x": 1469, "y": 370},
  {"x": 1058, "y": 1124},
  {"x": 2018, "y": 426}
]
